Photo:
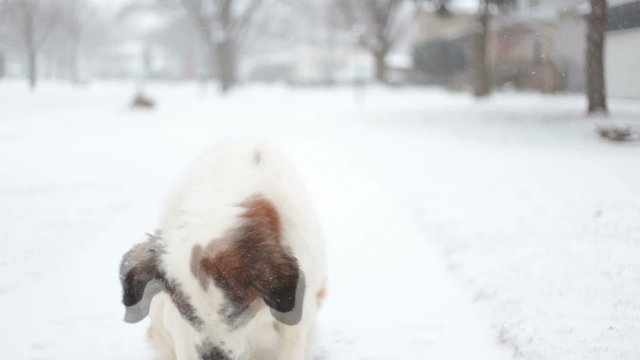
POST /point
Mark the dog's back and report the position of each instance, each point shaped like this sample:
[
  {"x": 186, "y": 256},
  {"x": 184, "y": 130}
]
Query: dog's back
[
  {"x": 241, "y": 260},
  {"x": 227, "y": 176}
]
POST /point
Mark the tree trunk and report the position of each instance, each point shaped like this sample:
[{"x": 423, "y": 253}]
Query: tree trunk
[
  {"x": 597, "y": 24},
  {"x": 212, "y": 62},
  {"x": 75, "y": 64},
  {"x": 226, "y": 51},
  {"x": 2, "y": 65},
  {"x": 379, "y": 58},
  {"x": 32, "y": 68},
  {"x": 480, "y": 81},
  {"x": 226, "y": 65}
]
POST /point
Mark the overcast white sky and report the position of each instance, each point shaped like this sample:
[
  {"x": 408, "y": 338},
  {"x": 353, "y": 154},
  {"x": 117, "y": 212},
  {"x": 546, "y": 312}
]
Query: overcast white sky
[
  {"x": 458, "y": 4},
  {"x": 149, "y": 20}
]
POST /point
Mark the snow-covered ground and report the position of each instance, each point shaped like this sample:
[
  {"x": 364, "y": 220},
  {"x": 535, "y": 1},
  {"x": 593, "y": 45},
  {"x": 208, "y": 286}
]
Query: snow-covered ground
[{"x": 456, "y": 229}]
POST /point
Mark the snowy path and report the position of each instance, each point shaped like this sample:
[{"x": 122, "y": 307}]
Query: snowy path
[
  {"x": 412, "y": 198},
  {"x": 391, "y": 297}
]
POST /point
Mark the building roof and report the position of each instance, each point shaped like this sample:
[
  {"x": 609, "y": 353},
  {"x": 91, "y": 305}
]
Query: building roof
[{"x": 625, "y": 16}]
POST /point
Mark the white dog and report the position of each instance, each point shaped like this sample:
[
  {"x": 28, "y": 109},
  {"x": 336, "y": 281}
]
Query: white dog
[{"x": 236, "y": 269}]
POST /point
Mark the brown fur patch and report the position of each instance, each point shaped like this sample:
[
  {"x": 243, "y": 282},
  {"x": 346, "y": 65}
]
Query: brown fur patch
[
  {"x": 321, "y": 295},
  {"x": 254, "y": 265}
]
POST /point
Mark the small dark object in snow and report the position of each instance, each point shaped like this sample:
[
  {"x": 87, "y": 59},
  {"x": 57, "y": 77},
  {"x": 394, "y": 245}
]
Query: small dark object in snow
[
  {"x": 618, "y": 133},
  {"x": 142, "y": 101}
]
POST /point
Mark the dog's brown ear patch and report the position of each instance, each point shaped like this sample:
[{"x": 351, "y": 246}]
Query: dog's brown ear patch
[
  {"x": 255, "y": 264},
  {"x": 274, "y": 273}
]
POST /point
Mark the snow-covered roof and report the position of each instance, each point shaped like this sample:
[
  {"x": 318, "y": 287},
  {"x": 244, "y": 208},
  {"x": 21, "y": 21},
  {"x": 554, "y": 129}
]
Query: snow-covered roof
[
  {"x": 400, "y": 60},
  {"x": 613, "y": 3}
]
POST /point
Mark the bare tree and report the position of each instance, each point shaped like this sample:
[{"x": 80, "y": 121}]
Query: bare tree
[
  {"x": 378, "y": 23},
  {"x": 480, "y": 78},
  {"x": 3, "y": 37},
  {"x": 77, "y": 17},
  {"x": 2, "y": 64},
  {"x": 596, "y": 27},
  {"x": 222, "y": 26},
  {"x": 30, "y": 22},
  {"x": 480, "y": 70}
]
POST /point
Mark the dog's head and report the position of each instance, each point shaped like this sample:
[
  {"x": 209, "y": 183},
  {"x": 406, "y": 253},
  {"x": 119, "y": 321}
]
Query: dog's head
[{"x": 227, "y": 281}]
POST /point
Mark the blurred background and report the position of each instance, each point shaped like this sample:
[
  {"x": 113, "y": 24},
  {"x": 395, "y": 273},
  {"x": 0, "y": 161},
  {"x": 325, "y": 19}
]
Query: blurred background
[
  {"x": 474, "y": 164},
  {"x": 473, "y": 45}
]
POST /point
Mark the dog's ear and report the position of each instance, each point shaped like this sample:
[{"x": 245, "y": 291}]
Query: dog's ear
[
  {"x": 249, "y": 270},
  {"x": 282, "y": 287},
  {"x": 255, "y": 264},
  {"x": 274, "y": 271},
  {"x": 141, "y": 279}
]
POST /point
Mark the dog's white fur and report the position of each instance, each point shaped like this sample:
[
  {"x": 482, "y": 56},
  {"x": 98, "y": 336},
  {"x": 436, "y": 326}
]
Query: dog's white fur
[{"x": 204, "y": 206}]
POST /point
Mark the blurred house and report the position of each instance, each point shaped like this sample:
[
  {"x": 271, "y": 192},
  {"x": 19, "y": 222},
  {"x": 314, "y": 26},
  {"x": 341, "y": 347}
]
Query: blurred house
[
  {"x": 400, "y": 67},
  {"x": 141, "y": 59},
  {"x": 441, "y": 47},
  {"x": 325, "y": 51},
  {"x": 124, "y": 60},
  {"x": 623, "y": 49},
  {"x": 539, "y": 45},
  {"x": 542, "y": 45},
  {"x": 311, "y": 64},
  {"x": 12, "y": 62}
]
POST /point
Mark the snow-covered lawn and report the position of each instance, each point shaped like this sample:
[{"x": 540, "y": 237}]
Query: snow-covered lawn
[{"x": 456, "y": 229}]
